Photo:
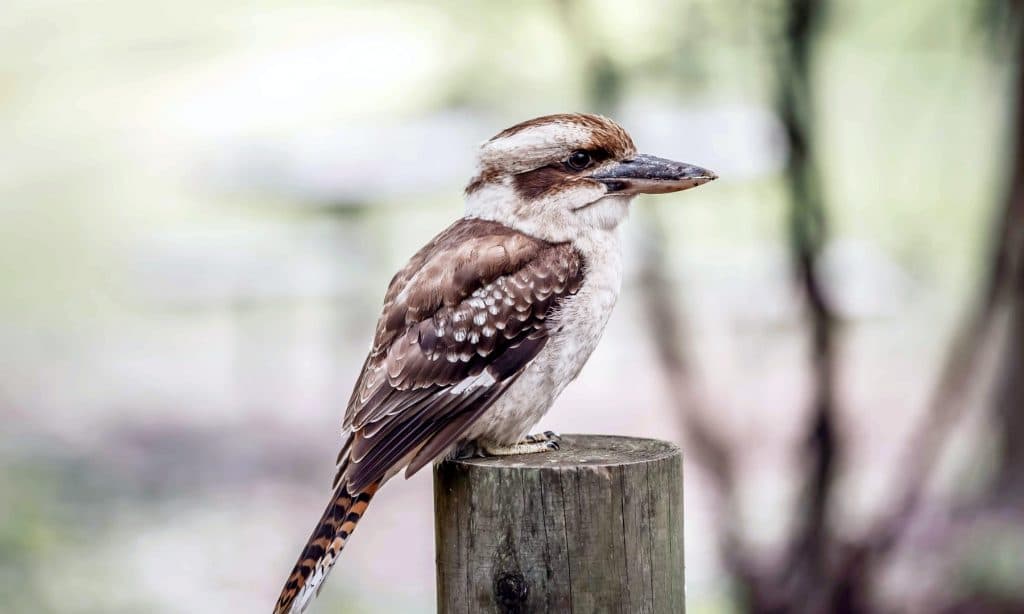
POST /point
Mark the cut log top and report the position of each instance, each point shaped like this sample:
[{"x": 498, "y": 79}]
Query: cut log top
[
  {"x": 584, "y": 450},
  {"x": 593, "y": 527}
]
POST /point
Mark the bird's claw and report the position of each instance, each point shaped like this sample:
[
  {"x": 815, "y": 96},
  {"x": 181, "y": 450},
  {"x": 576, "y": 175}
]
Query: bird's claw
[{"x": 545, "y": 436}]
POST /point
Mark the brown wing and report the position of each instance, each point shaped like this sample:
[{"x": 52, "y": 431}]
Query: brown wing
[{"x": 460, "y": 323}]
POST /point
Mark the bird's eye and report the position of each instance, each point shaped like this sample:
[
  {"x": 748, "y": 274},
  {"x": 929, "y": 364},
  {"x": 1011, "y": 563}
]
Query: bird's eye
[{"x": 579, "y": 160}]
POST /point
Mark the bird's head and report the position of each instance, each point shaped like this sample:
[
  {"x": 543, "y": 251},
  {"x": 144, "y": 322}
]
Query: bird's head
[{"x": 557, "y": 177}]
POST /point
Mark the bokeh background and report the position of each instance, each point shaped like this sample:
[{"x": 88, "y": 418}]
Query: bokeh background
[{"x": 201, "y": 204}]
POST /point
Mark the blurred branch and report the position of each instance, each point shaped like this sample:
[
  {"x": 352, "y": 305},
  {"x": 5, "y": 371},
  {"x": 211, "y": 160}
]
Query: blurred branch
[
  {"x": 807, "y": 572},
  {"x": 1006, "y": 280}
]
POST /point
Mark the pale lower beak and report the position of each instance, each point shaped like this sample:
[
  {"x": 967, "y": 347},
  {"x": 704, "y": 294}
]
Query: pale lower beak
[{"x": 645, "y": 174}]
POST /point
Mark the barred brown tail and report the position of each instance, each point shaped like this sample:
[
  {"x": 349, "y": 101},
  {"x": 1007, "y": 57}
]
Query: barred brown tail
[{"x": 323, "y": 547}]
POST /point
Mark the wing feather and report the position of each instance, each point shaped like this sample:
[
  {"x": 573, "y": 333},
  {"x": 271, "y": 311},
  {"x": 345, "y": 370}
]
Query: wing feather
[{"x": 460, "y": 324}]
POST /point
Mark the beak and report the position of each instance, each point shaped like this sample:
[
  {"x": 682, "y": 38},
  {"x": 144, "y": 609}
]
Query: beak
[{"x": 645, "y": 174}]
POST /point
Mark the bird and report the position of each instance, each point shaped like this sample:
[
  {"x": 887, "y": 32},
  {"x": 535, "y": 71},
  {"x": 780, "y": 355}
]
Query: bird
[{"x": 486, "y": 325}]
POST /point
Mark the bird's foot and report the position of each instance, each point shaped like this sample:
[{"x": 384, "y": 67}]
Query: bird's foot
[
  {"x": 522, "y": 447},
  {"x": 531, "y": 444}
]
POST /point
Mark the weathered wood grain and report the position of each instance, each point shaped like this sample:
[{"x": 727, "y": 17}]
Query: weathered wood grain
[{"x": 594, "y": 527}]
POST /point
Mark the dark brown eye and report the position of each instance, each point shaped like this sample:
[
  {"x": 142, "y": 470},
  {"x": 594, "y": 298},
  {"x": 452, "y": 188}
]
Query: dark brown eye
[{"x": 579, "y": 160}]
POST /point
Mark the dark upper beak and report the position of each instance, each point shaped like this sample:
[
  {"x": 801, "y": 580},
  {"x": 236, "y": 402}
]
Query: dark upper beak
[{"x": 645, "y": 174}]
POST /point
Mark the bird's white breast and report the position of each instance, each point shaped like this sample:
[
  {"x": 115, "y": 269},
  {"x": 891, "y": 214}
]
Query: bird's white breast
[{"x": 574, "y": 333}]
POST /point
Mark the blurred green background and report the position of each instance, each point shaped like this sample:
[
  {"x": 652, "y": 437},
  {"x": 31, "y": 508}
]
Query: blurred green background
[{"x": 201, "y": 204}]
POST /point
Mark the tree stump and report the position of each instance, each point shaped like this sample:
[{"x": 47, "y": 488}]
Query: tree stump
[{"x": 594, "y": 527}]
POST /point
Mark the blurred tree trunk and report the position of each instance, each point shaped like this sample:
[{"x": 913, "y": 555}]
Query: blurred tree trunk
[
  {"x": 1008, "y": 282},
  {"x": 812, "y": 581},
  {"x": 1010, "y": 402}
]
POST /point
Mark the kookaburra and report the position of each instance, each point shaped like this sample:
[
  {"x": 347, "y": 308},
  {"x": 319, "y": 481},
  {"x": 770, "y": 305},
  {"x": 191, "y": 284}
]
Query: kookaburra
[{"x": 487, "y": 324}]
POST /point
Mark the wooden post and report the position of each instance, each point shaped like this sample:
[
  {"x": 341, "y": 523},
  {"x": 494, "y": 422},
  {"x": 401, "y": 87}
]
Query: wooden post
[{"x": 594, "y": 527}]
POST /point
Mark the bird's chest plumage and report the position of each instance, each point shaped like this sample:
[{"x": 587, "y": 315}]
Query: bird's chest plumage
[{"x": 575, "y": 330}]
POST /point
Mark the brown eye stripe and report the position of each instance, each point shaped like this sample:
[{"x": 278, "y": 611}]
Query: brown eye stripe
[
  {"x": 532, "y": 184},
  {"x": 540, "y": 181}
]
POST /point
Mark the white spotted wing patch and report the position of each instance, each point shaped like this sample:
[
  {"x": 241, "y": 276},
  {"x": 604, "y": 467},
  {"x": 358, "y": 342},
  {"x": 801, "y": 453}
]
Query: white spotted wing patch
[{"x": 447, "y": 348}]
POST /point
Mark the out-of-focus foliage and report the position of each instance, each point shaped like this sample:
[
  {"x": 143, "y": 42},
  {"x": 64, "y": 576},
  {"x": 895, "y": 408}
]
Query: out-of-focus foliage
[{"x": 201, "y": 204}]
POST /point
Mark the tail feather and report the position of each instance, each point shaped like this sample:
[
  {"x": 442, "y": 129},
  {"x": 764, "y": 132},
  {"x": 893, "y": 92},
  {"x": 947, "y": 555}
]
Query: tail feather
[{"x": 323, "y": 547}]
